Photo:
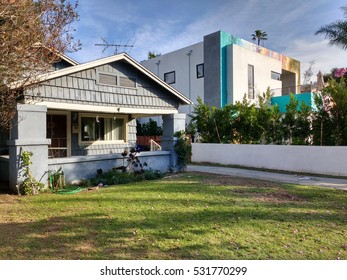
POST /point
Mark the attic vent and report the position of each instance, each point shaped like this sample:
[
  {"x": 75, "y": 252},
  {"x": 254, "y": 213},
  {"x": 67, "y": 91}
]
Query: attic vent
[
  {"x": 107, "y": 79},
  {"x": 127, "y": 82}
]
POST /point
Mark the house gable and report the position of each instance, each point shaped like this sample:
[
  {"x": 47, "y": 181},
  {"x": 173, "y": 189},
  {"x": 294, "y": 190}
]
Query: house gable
[{"x": 110, "y": 85}]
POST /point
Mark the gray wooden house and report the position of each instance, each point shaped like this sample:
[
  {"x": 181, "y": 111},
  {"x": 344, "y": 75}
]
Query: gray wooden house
[{"x": 81, "y": 118}]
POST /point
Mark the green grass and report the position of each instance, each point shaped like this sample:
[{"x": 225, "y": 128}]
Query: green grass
[{"x": 189, "y": 216}]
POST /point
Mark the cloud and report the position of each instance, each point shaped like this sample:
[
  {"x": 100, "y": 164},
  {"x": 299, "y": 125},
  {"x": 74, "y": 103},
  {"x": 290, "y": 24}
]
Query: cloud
[
  {"x": 163, "y": 27},
  {"x": 325, "y": 56}
]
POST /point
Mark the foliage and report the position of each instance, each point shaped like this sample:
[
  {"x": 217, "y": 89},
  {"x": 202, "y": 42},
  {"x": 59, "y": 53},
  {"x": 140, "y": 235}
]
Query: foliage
[
  {"x": 308, "y": 73},
  {"x": 56, "y": 179},
  {"x": 29, "y": 186},
  {"x": 336, "y": 31},
  {"x": 338, "y": 93},
  {"x": 150, "y": 128},
  {"x": 32, "y": 35},
  {"x": 246, "y": 130},
  {"x": 259, "y": 36},
  {"x": 246, "y": 123},
  {"x": 153, "y": 55},
  {"x": 115, "y": 177},
  {"x": 183, "y": 149},
  {"x": 134, "y": 164}
]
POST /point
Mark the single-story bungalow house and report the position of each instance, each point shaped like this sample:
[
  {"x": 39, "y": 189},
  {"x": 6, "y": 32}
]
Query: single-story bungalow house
[{"x": 81, "y": 117}]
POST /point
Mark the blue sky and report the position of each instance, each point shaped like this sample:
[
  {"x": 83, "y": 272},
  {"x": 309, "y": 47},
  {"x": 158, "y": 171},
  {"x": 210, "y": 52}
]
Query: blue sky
[{"x": 166, "y": 25}]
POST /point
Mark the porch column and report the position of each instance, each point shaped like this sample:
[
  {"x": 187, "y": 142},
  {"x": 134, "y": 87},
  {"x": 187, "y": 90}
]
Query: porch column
[
  {"x": 28, "y": 134},
  {"x": 171, "y": 124}
]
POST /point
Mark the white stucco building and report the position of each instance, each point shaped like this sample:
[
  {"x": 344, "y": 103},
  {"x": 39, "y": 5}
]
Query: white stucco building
[{"x": 223, "y": 68}]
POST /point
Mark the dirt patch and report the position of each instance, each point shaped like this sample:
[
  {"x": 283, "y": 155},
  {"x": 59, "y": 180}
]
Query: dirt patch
[
  {"x": 222, "y": 180},
  {"x": 8, "y": 199},
  {"x": 268, "y": 191},
  {"x": 277, "y": 197}
]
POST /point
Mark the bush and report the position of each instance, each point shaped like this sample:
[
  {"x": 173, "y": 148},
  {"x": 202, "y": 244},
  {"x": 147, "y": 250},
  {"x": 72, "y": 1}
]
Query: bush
[{"x": 116, "y": 177}]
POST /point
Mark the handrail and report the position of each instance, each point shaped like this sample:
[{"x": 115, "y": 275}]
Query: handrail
[{"x": 154, "y": 146}]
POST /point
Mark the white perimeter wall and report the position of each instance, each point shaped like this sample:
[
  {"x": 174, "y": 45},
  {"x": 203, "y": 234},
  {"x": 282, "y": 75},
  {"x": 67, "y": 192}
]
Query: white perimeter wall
[{"x": 310, "y": 159}]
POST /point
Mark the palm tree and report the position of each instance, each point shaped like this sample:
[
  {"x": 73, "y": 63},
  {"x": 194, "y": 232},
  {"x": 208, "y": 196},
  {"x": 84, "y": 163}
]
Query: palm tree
[
  {"x": 259, "y": 35},
  {"x": 336, "y": 31}
]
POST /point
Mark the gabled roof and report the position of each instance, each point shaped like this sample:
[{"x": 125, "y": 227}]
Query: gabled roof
[
  {"x": 110, "y": 59},
  {"x": 68, "y": 59}
]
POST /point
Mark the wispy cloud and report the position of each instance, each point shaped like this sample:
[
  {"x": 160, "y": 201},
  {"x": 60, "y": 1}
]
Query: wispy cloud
[{"x": 164, "y": 26}]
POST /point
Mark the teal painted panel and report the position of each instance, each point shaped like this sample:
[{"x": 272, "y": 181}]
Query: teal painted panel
[
  {"x": 225, "y": 41},
  {"x": 282, "y": 101}
]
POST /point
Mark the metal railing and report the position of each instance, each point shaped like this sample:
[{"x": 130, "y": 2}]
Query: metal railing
[{"x": 294, "y": 89}]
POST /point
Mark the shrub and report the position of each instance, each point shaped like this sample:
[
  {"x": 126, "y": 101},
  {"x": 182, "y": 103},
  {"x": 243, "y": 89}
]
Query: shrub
[{"x": 116, "y": 177}]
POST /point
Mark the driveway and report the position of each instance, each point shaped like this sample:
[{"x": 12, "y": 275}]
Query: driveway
[{"x": 273, "y": 176}]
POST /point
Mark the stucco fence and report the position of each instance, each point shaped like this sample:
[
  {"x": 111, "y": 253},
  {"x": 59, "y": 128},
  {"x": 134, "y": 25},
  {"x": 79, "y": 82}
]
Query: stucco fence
[
  {"x": 307, "y": 159},
  {"x": 84, "y": 167}
]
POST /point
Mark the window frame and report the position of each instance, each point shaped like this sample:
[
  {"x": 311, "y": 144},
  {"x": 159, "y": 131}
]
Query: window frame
[
  {"x": 109, "y": 74},
  {"x": 105, "y": 116},
  {"x": 251, "y": 90},
  {"x": 118, "y": 80},
  {"x": 273, "y": 73},
  {"x": 174, "y": 77},
  {"x": 203, "y": 70}
]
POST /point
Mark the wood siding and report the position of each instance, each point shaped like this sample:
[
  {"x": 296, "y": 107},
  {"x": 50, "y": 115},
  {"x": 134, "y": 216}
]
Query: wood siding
[{"x": 85, "y": 88}]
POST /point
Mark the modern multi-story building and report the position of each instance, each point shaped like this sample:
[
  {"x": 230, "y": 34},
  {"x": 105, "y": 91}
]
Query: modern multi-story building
[{"x": 223, "y": 68}]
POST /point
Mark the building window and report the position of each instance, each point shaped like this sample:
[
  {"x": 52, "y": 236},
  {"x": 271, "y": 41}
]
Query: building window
[
  {"x": 170, "y": 77},
  {"x": 127, "y": 82},
  {"x": 275, "y": 76},
  {"x": 250, "y": 81},
  {"x": 200, "y": 70},
  {"x": 102, "y": 128},
  {"x": 107, "y": 79}
]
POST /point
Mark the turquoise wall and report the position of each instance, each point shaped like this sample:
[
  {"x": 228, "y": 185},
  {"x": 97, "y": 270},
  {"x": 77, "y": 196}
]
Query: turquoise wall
[
  {"x": 225, "y": 40},
  {"x": 282, "y": 101}
]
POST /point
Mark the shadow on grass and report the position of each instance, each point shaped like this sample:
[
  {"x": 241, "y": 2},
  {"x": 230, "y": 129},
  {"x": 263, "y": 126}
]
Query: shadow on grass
[{"x": 175, "y": 220}]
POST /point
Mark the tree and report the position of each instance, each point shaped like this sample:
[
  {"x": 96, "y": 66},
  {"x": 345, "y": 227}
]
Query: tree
[
  {"x": 32, "y": 35},
  {"x": 153, "y": 55},
  {"x": 309, "y": 72},
  {"x": 264, "y": 116},
  {"x": 336, "y": 31},
  {"x": 259, "y": 36}
]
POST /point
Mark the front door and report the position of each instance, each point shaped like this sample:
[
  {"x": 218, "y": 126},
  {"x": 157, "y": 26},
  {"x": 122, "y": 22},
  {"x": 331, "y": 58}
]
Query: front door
[{"x": 57, "y": 132}]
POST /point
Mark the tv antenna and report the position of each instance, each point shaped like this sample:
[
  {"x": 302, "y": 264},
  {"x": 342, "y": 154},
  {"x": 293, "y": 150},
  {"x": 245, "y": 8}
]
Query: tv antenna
[{"x": 106, "y": 45}]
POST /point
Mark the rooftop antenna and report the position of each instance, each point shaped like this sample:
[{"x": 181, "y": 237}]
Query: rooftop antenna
[{"x": 106, "y": 45}]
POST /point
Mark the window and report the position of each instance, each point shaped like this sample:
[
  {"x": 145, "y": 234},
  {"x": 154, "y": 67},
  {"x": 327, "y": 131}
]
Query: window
[
  {"x": 250, "y": 81},
  {"x": 107, "y": 79},
  {"x": 127, "y": 82},
  {"x": 275, "y": 76},
  {"x": 170, "y": 77},
  {"x": 102, "y": 128},
  {"x": 200, "y": 70}
]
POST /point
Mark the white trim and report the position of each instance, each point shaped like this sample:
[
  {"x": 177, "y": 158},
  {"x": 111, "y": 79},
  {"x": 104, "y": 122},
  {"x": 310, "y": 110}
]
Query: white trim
[
  {"x": 68, "y": 59},
  {"x": 103, "y": 142},
  {"x": 68, "y": 127},
  {"x": 106, "y": 109}
]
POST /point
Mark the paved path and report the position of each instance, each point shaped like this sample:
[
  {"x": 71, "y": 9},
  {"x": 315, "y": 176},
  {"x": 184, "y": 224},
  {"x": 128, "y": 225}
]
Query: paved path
[{"x": 273, "y": 176}]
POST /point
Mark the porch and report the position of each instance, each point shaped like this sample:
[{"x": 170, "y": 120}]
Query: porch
[{"x": 37, "y": 132}]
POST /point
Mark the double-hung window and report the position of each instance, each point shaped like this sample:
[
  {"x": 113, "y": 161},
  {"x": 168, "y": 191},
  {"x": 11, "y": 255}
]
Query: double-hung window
[{"x": 102, "y": 128}]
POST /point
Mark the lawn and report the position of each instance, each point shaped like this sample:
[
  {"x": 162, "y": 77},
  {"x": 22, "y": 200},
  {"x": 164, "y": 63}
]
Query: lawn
[{"x": 185, "y": 216}]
